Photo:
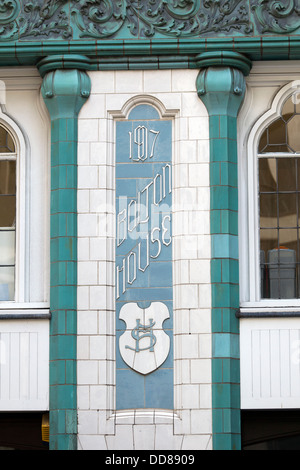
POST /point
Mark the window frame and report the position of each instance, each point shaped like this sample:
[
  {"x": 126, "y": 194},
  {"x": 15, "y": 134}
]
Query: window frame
[
  {"x": 20, "y": 99},
  {"x": 20, "y": 231},
  {"x": 250, "y": 239},
  {"x": 11, "y": 157}
]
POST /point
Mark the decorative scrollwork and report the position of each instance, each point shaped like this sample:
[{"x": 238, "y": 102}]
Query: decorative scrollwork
[
  {"x": 101, "y": 19},
  {"x": 33, "y": 19},
  {"x": 189, "y": 18},
  {"x": 98, "y": 18},
  {"x": 182, "y": 8},
  {"x": 9, "y": 10},
  {"x": 277, "y": 16},
  {"x": 173, "y": 18},
  {"x": 226, "y": 16},
  {"x": 46, "y": 20}
]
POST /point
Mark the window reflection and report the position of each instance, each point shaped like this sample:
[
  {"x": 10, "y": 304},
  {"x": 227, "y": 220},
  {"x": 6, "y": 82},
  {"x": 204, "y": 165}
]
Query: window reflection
[
  {"x": 282, "y": 135},
  {"x": 268, "y": 174},
  {"x": 279, "y": 204},
  {"x": 7, "y": 215},
  {"x": 279, "y": 226},
  {"x": 293, "y": 129},
  {"x": 288, "y": 110},
  {"x": 286, "y": 169},
  {"x": 6, "y": 141}
]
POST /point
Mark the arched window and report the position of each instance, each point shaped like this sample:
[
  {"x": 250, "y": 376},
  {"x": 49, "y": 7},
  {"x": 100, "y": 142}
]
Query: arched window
[
  {"x": 269, "y": 200},
  {"x": 279, "y": 203},
  {"x": 8, "y": 161}
]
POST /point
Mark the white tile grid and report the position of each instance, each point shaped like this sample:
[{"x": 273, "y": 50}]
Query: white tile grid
[{"x": 189, "y": 427}]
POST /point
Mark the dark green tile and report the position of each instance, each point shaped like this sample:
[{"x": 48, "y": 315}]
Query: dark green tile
[
  {"x": 215, "y": 221},
  {"x": 217, "y": 420},
  {"x": 57, "y": 372},
  {"x": 216, "y": 270},
  {"x": 215, "y": 173},
  {"x": 217, "y": 371}
]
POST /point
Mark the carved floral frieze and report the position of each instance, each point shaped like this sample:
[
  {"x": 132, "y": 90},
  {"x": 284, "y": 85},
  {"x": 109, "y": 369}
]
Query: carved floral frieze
[
  {"x": 33, "y": 19},
  {"x": 173, "y": 18},
  {"x": 281, "y": 17},
  {"x": 101, "y": 19}
]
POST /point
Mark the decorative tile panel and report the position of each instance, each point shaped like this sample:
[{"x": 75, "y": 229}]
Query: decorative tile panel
[
  {"x": 187, "y": 425},
  {"x": 144, "y": 291}
]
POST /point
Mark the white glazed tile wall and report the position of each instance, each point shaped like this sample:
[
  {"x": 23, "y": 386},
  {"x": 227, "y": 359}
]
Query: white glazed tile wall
[{"x": 190, "y": 425}]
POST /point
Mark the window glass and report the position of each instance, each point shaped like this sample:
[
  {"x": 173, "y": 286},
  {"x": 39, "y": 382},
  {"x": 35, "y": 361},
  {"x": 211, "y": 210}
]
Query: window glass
[
  {"x": 282, "y": 135},
  {"x": 288, "y": 110},
  {"x": 293, "y": 128},
  {"x": 279, "y": 225},
  {"x": 6, "y": 141},
  {"x": 268, "y": 175},
  {"x": 7, "y": 215},
  {"x": 279, "y": 205},
  {"x": 274, "y": 139}
]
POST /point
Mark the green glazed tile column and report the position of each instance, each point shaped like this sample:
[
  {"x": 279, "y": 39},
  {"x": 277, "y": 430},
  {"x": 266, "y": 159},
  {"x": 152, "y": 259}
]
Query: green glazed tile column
[
  {"x": 64, "y": 92},
  {"x": 221, "y": 87}
]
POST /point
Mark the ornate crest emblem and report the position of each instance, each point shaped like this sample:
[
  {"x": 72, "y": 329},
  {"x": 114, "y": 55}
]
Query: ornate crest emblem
[{"x": 144, "y": 346}]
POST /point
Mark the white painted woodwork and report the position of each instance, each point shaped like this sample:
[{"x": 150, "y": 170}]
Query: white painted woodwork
[
  {"x": 24, "y": 113},
  {"x": 24, "y": 365},
  {"x": 270, "y": 363}
]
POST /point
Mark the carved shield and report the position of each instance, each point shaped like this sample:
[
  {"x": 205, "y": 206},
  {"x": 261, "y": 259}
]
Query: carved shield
[{"x": 144, "y": 346}]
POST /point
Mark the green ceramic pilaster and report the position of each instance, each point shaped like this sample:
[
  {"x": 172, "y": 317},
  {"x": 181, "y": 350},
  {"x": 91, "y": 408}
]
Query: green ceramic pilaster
[
  {"x": 64, "y": 92},
  {"x": 221, "y": 87}
]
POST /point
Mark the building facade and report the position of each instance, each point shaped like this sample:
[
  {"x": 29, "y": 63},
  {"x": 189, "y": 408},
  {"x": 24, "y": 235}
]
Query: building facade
[{"x": 149, "y": 256}]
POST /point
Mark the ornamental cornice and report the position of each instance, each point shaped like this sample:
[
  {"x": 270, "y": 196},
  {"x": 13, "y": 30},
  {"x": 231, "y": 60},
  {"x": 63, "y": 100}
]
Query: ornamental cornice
[{"x": 39, "y": 20}]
